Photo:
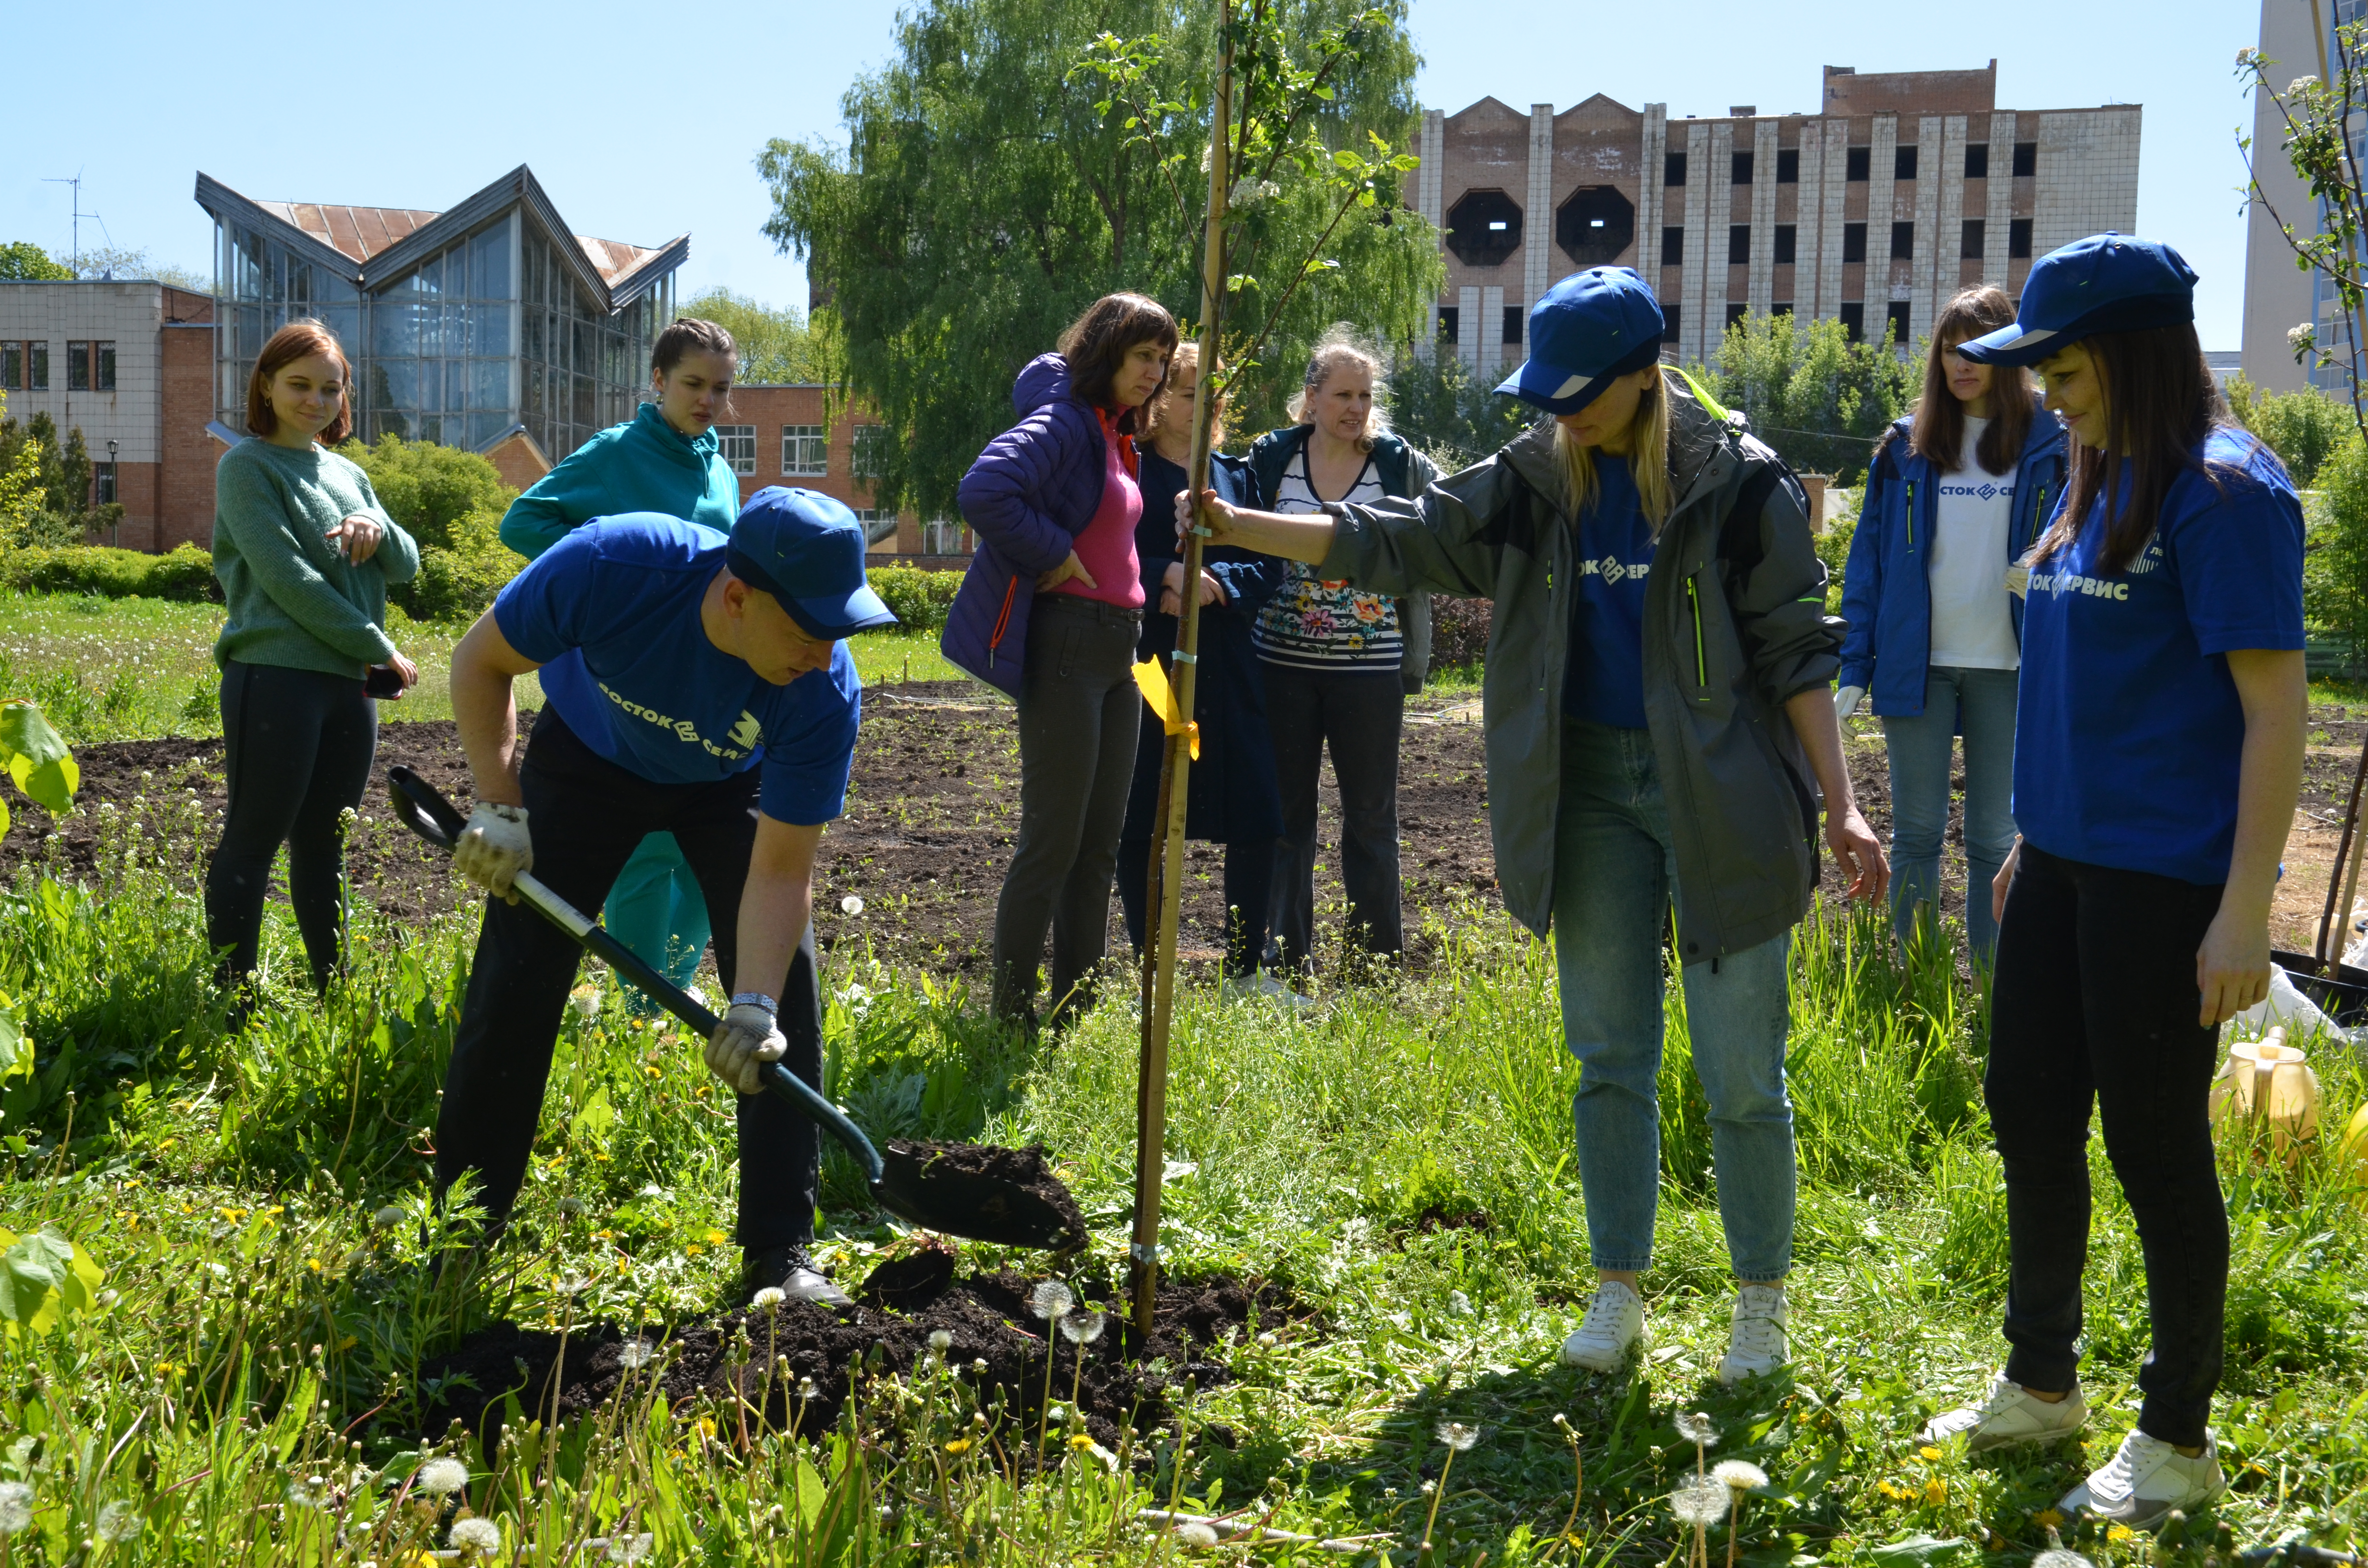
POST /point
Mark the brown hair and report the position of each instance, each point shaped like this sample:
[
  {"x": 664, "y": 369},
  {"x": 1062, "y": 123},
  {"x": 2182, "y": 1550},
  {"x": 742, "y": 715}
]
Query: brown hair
[
  {"x": 687, "y": 334},
  {"x": 299, "y": 340},
  {"x": 1167, "y": 406},
  {"x": 2161, "y": 401},
  {"x": 1098, "y": 342},
  {"x": 1343, "y": 344},
  {"x": 1938, "y": 435}
]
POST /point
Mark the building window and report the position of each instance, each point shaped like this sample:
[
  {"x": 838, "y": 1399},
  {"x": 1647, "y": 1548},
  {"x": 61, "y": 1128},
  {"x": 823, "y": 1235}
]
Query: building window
[
  {"x": 1788, "y": 165},
  {"x": 1734, "y": 315},
  {"x": 102, "y": 485},
  {"x": 1673, "y": 168},
  {"x": 37, "y": 365},
  {"x": 1903, "y": 242},
  {"x": 1896, "y": 312},
  {"x": 1781, "y": 307},
  {"x": 2018, "y": 238},
  {"x": 1513, "y": 315},
  {"x": 1738, "y": 244},
  {"x": 1788, "y": 240},
  {"x": 1669, "y": 331},
  {"x": 103, "y": 367},
  {"x": 1858, "y": 165},
  {"x": 866, "y": 457},
  {"x": 1484, "y": 227},
  {"x": 1853, "y": 316},
  {"x": 805, "y": 450},
  {"x": 1673, "y": 247},
  {"x": 941, "y": 536},
  {"x": 12, "y": 365},
  {"x": 77, "y": 366},
  {"x": 1903, "y": 163},
  {"x": 1595, "y": 225},
  {"x": 1978, "y": 160},
  {"x": 736, "y": 445},
  {"x": 1853, "y": 241},
  {"x": 1743, "y": 168},
  {"x": 1448, "y": 324},
  {"x": 90, "y": 367},
  {"x": 2026, "y": 159},
  {"x": 1969, "y": 248},
  {"x": 878, "y": 523}
]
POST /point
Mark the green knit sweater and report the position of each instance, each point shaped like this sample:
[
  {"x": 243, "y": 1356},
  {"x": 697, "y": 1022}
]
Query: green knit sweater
[{"x": 294, "y": 600}]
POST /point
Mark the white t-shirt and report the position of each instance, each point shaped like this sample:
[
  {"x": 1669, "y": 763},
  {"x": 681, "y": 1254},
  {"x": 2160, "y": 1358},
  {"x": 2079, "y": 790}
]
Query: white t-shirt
[{"x": 1971, "y": 625}]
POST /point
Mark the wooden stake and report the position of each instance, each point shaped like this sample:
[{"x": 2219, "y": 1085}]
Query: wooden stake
[{"x": 1166, "y": 879}]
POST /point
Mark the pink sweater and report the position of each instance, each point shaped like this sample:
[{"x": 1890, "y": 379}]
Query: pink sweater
[{"x": 1107, "y": 547}]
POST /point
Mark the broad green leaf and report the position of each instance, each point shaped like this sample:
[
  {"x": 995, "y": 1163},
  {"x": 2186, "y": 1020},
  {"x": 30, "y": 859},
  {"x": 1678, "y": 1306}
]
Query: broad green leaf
[
  {"x": 16, "y": 1050},
  {"x": 36, "y": 757},
  {"x": 1918, "y": 1551}
]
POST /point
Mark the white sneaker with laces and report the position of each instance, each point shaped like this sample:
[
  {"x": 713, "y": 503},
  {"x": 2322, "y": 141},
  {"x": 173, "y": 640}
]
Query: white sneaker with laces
[
  {"x": 2146, "y": 1479},
  {"x": 1615, "y": 1318},
  {"x": 2009, "y": 1416},
  {"x": 1261, "y": 987},
  {"x": 1755, "y": 1334}
]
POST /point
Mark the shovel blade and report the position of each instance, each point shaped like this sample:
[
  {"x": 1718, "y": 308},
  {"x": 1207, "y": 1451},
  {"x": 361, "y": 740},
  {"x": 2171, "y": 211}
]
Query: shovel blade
[{"x": 920, "y": 1183}]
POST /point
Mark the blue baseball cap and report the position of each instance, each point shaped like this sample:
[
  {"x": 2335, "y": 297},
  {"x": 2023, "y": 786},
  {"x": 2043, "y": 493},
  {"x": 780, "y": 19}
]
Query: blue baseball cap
[
  {"x": 2107, "y": 282},
  {"x": 806, "y": 551},
  {"x": 1590, "y": 328}
]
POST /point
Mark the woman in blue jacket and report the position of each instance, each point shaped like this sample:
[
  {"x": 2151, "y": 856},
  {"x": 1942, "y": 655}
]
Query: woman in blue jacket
[
  {"x": 1957, "y": 493},
  {"x": 663, "y": 460}
]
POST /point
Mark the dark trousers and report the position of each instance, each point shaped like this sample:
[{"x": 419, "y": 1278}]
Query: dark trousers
[
  {"x": 587, "y": 817},
  {"x": 1078, "y": 711},
  {"x": 2095, "y": 999},
  {"x": 1249, "y": 881},
  {"x": 297, "y": 746},
  {"x": 1360, "y": 714}
]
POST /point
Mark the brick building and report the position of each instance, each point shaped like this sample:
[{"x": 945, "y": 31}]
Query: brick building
[
  {"x": 131, "y": 362},
  {"x": 1903, "y": 189},
  {"x": 783, "y": 435}
]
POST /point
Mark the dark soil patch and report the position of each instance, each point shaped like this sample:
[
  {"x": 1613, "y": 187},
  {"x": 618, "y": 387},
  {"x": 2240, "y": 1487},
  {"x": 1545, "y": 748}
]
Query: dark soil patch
[
  {"x": 992, "y": 1185},
  {"x": 1121, "y": 1379}
]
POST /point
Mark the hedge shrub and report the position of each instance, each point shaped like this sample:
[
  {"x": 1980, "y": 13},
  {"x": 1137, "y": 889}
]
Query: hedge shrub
[
  {"x": 920, "y": 599},
  {"x": 186, "y": 574},
  {"x": 457, "y": 584}
]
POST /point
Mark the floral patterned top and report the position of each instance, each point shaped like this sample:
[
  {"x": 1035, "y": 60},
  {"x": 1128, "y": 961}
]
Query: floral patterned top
[{"x": 1313, "y": 624}]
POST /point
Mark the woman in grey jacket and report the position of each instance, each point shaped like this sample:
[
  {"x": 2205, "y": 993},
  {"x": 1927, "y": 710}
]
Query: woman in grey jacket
[{"x": 1656, "y": 707}]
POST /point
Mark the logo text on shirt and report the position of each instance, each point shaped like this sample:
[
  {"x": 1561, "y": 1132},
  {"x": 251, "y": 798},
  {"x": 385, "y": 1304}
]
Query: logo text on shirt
[
  {"x": 1612, "y": 569},
  {"x": 2073, "y": 583},
  {"x": 745, "y": 733},
  {"x": 1987, "y": 491}
]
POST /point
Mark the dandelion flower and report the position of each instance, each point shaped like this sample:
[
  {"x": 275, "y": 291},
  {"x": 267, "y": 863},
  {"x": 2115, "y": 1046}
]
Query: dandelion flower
[
  {"x": 2117, "y": 1534},
  {"x": 16, "y": 1507},
  {"x": 958, "y": 1446},
  {"x": 941, "y": 1340},
  {"x": 1935, "y": 1492},
  {"x": 1929, "y": 1452},
  {"x": 1740, "y": 1474},
  {"x": 1083, "y": 1328},
  {"x": 119, "y": 1522},
  {"x": 766, "y": 1300},
  {"x": 1695, "y": 1427},
  {"x": 631, "y": 1548},
  {"x": 439, "y": 1477},
  {"x": 1049, "y": 1300},
  {"x": 634, "y": 1354},
  {"x": 1699, "y": 1502},
  {"x": 482, "y": 1537},
  {"x": 1197, "y": 1534},
  {"x": 1457, "y": 1436},
  {"x": 850, "y": 904},
  {"x": 387, "y": 1217}
]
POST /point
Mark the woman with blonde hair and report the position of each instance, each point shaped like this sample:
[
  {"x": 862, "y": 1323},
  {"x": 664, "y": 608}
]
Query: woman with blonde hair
[
  {"x": 1339, "y": 661},
  {"x": 1656, "y": 705}
]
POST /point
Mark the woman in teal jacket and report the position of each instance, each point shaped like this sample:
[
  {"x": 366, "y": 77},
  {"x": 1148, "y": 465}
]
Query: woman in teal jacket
[{"x": 663, "y": 460}]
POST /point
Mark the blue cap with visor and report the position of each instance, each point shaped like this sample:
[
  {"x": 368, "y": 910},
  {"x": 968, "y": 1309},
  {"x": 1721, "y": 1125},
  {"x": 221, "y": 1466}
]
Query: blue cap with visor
[
  {"x": 806, "y": 550},
  {"x": 2107, "y": 282},
  {"x": 1590, "y": 328}
]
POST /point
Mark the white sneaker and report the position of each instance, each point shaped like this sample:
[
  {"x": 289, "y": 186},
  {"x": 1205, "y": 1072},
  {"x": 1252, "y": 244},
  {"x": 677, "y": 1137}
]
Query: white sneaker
[
  {"x": 2147, "y": 1479},
  {"x": 2010, "y": 1416},
  {"x": 1261, "y": 987},
  {"x": 1755, "y": 1334},
  {"x": 1615, "y": 1317}
]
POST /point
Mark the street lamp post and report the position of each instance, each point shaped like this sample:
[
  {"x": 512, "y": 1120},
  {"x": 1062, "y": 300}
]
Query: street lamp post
[{"x": 114, "y": 494}]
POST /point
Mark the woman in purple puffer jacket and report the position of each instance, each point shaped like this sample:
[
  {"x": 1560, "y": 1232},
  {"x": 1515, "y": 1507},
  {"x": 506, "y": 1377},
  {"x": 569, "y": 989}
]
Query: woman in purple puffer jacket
[{"x": 1050, "y": 612}]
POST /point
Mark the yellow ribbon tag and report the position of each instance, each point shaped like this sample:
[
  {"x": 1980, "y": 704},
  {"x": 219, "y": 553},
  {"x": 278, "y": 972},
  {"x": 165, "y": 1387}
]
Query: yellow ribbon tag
[{"x": 1152, "y": 682}]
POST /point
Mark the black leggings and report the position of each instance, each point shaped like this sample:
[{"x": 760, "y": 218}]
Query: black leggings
[
  {"x": 1249, "y": 882},
  {"x": 299, "y": 744}
]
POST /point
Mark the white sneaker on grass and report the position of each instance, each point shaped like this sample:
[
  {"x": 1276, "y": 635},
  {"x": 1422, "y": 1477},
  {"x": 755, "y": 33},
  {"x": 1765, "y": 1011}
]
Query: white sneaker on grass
[
  {"x": 2009, "y": 1416},
  {"x": 1261, "y": 987},
  {"x": 2145, "y": 1480},
  {"x": 1755, "y": 1334},
  {"x": 1615, "y": 1318}
]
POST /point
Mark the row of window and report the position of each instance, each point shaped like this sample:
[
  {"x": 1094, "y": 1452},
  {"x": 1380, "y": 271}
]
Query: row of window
[
  {"x": 25, "y": 365},
  {"x": 805, "y": 450},
  {"x": 1972, "y": 242},
  {"x": 1859, "y": 163},
  {"x": 1852, "y": 316}
]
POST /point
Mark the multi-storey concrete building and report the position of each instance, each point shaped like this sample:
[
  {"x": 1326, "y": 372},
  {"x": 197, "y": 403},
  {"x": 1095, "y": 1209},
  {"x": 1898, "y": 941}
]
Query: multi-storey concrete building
[
  {"x": 2279, "y": 296},
  {"x": 1903, "y": 189}
]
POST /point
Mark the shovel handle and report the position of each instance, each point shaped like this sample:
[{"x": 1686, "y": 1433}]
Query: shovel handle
[{"x": 423, "y": 810}]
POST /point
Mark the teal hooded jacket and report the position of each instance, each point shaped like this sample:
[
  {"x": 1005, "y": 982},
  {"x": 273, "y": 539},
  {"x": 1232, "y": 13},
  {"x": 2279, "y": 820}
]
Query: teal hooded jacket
[{"x": 643, "y": 465}]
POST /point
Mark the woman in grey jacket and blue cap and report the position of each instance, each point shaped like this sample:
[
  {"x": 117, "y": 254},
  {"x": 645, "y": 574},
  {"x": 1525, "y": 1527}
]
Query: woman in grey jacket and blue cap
[{"x": 1658, "y": 721}]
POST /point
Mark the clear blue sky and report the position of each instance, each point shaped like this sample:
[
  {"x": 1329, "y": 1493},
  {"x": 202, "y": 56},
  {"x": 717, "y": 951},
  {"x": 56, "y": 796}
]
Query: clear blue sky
[{"x": 641, "y": 128}]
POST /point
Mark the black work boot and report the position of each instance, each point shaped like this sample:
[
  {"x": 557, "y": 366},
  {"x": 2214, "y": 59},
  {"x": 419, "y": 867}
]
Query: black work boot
[{"x": 788, "y": 1269}]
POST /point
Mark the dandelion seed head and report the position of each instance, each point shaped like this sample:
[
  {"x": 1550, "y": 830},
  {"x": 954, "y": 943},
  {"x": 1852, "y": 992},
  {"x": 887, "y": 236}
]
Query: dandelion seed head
[
  {"x": 1049, "y": 1300},
  {"x": 119, "y": 1522},
  {"x": 477, "y": 1535},
  {"x": 387, "y": 1218},
  {"x": 587, "y": 1003},
  {"x": 1056, "y": 1415},
  {"x": 1197, "y": 1534},
  {"x": 16, "y": 1507},
  {"x": 1083, "y": 1328},
  {"x": 850, "y": 904},
  {"x": 1457, "y": 1436},
  {"x": 806, "y": 1389},
  {"x": 1562, "y": 1421},
  {"x": 1429, "y": 1487},
  {"x": 766, "y": 1300},
  {"x": 634, "y": 1354},
  {"x": 440, "y": 1477},
  {"x": 941, "y": 1340},
  {"x": 1699, "y": 1502},
  {"x": 631, "y": 1548},
  {"x": 1695, "y": 1427},
  {"x": 308, "y": 1491},
  {"x": 2061, "y": 1557},
  {"x": 1740, "y": 1474},
  {"x": 978, "y": 1367}
]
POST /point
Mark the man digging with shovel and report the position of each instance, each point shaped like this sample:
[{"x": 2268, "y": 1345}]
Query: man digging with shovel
[{"x": 694, "y": 685}]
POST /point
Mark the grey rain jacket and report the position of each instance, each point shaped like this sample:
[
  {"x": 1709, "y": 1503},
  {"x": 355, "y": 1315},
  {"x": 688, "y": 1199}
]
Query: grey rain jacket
[{"x": 1735, "y": 623}]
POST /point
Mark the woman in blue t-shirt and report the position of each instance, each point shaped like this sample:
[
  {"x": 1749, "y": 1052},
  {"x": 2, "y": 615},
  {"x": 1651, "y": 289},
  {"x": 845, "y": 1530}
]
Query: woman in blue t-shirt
[
  {"x": 2159, "y": 753},
  {"x": 1957, "y": 493}
]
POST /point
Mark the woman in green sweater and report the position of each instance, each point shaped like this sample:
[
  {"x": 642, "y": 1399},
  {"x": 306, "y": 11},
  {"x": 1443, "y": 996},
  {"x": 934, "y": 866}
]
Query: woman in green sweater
[
  {"x": 304, "y": 552},
  {"x": 663, "y": 460}
]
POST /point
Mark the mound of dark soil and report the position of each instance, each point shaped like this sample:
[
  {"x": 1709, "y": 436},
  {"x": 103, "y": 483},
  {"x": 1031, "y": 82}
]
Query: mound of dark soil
[
  {"x": 772, "y": 1358},
  {"x": 985, "y": 1190}
]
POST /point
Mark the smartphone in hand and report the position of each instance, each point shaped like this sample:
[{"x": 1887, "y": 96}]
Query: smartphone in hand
[{"x": 383, "y": 682}]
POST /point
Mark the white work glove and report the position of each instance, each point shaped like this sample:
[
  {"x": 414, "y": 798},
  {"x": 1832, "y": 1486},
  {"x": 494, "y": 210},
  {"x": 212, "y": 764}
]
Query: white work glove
[
  {"x": 1847, "y": 699},
  {"x": 743, "y": 1043},
  {"x": 494, "y": 848}
]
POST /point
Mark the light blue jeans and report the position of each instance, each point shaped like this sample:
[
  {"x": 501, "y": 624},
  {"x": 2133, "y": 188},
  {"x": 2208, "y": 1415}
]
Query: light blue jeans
[
  {"x": 1981, "y": 702},
  {"x": 1614, "y": 882}
]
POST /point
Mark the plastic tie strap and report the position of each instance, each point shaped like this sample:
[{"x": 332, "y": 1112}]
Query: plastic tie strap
[{"x": 1181, "y": 657}]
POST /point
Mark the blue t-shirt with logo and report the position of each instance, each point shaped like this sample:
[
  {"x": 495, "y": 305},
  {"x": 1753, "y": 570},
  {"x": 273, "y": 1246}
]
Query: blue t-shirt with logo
[
  {"x": 1606, "y": 679},
  {"x": 611, "y": 614},
  {"x": 2129, "y": 732}
]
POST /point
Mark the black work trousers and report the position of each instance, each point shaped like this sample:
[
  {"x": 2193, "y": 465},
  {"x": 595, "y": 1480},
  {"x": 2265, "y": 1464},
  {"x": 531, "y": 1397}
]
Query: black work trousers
[
  {"x": 1360, "y": 714},
  {"x": 297, "y": 746},
  {"x": 1249, "y": 881},
  {"x": 2095, "y": 1000},
  {"x": 587, "y": 817}
]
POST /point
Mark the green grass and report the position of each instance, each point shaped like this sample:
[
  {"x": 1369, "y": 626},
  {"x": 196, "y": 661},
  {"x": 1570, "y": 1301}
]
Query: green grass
[
  {"x": 258, "y": 1321},
  {"x": 135, "y": 669}
]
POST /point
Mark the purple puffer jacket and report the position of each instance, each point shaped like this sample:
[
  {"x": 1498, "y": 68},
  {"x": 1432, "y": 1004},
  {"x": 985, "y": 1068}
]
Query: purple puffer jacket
[{"x": 1027, "y": 497}]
